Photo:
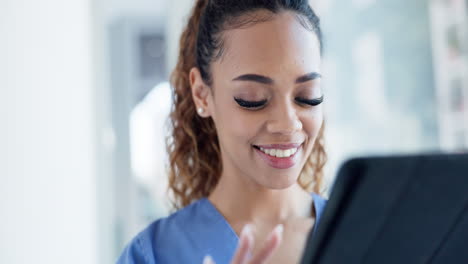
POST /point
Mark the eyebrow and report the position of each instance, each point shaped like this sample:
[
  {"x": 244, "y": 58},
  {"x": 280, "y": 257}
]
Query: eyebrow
[
  {"x": 267, "y": 80},
  {"x": 308, "y": 77}
]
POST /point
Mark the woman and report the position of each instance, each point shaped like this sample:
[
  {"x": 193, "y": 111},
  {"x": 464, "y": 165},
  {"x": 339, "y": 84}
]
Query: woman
[{"x": 247, "y": 145}]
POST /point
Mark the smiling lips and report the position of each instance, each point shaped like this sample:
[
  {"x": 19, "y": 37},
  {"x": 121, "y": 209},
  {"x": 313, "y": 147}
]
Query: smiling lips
[
  {"x": 279, "y": 156},
  {"x": 279, "y": 153}
]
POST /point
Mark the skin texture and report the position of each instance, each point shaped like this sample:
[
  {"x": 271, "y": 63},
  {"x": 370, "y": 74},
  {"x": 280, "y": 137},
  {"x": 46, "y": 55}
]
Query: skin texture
[{"x": 250, "y": 191}]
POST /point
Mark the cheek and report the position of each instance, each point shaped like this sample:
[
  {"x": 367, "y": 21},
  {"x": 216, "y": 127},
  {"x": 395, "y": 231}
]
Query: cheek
[
  {"x": 236, "y": 126},
  {"x": 312, "y": 124}
]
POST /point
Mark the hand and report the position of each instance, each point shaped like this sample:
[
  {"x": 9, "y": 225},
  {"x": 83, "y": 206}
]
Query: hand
[{"x": 243, "y": 253}]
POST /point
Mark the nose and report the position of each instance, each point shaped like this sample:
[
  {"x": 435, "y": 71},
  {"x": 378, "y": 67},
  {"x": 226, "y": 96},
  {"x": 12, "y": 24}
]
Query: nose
[{"x": 284, "y": 120}]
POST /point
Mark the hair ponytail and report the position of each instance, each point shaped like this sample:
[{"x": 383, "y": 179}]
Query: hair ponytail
[{"x": 194, "y": 156}]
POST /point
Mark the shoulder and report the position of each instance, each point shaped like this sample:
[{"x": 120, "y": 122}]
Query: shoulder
[
  {"x": 139, "y": 250},
  {"x": 159, "y": 236}
]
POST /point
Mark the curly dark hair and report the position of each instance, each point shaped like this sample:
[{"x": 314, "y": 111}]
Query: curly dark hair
[{"x": 193, "y": 147}]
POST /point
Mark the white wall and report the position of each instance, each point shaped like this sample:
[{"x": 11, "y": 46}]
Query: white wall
[{"x": 47, "y": 156}]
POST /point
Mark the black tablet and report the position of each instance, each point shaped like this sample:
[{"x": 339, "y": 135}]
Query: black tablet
[{"x": 401, "y": 209}]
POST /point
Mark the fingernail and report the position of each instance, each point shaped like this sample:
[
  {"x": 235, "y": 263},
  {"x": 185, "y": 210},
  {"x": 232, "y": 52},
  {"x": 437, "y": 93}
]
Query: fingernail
[
  {"x": 279, "y": 229},
  {"x": 247, "y": 230},
  {"x": 208, "y": 260}
]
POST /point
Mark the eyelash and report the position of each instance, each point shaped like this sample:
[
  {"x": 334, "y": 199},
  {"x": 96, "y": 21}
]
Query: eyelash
[
  {"x": 250, "y": 104},
  {"x": 311, "y": 102},
  {"x": 258, "y": 104}
]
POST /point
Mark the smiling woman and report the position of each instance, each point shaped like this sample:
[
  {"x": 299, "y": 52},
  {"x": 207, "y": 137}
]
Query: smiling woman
[{"x": 246, "y": 152}]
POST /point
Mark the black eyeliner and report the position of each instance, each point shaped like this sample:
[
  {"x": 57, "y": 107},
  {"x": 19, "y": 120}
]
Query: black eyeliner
[
  {"x": 250, "y": 104},
  {"x": 312, "y": 102}
]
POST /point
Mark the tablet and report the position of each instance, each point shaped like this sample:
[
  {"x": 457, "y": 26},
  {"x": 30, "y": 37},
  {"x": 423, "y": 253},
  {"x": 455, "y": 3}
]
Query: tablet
[{"x": 399, "y": 209}]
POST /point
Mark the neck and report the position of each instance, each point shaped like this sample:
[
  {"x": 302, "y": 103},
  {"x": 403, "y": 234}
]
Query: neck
[{"x": 240, "y": 199}]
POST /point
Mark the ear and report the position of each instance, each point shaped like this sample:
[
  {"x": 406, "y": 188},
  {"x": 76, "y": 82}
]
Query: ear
[{"x": 200, "y": 92}]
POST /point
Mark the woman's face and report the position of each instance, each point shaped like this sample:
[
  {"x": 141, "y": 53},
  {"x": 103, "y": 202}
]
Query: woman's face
[{"x": 265, "y": 100}]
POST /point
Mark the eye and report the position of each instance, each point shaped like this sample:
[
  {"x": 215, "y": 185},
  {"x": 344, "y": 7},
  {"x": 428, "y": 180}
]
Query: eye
[
  {"x": 311, "y": 102},
  {"x": 250, "y": 104}
]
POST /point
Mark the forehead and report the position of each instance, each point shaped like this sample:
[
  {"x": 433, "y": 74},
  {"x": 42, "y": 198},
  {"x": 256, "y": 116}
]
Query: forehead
[{"x": 280, "y": 44}]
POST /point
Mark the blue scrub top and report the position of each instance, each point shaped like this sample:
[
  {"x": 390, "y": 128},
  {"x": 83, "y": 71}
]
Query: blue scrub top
[{"x": 188, "y": 235}]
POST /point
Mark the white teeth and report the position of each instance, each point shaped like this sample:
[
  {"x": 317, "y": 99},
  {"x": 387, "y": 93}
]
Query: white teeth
[{"x": 279, "y": 153}]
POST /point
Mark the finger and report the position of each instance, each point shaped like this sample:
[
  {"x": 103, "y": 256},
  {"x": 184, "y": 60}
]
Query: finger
[
  {"x": 208, "y": 260},
  {"x": 245, "y": 245},
  {"x": 272, "y": 243}
]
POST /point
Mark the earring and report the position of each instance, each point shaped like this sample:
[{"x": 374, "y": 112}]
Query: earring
[{"x": 200, "y": 110}]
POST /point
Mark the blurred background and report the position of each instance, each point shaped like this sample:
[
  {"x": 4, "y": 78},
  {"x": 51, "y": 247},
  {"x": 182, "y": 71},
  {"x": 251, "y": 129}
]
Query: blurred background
[{"x": 84, "y": 98}]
